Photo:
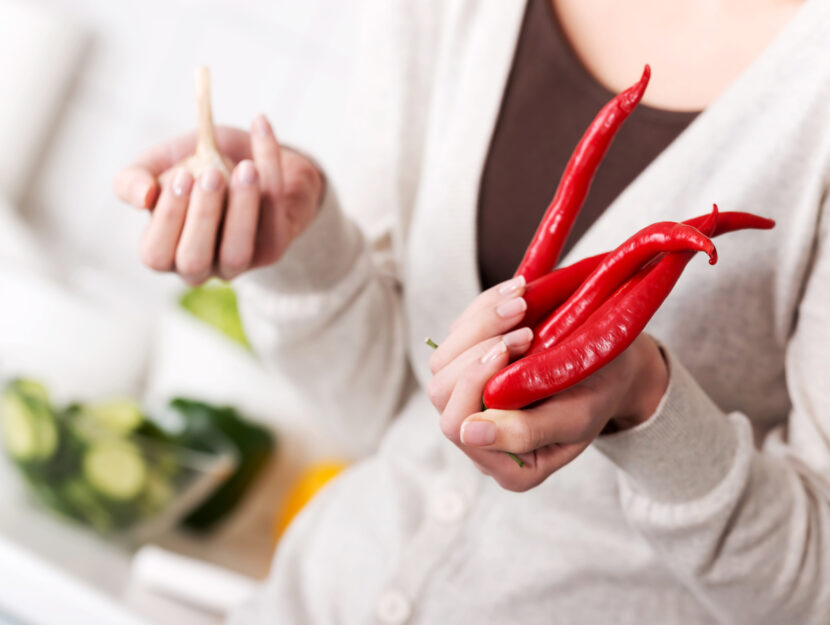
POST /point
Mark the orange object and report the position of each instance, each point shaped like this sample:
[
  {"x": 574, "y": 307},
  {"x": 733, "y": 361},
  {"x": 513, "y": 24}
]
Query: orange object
[{"x": 307, "y": 485}]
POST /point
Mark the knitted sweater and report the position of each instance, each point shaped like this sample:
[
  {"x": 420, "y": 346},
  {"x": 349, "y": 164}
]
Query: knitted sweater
[{"x": 715, "y": 510}]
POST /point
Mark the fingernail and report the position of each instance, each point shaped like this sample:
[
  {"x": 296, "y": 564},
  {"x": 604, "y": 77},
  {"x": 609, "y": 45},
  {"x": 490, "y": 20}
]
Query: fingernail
[
  {"x": 182, "y": 182},
  {"x": 211, "y": 179},
  {"x": 511, "y": 308},
  {"x": 140, "y": 192},
  {"x": 497, "y": 350},
  {"x": 246, "y": 173},
  {"x": 478, "y": 433},
  {"x": 519, "y": 337},
  {"x": 514, "y": 284},
  {"x": 261, "y": 126}
]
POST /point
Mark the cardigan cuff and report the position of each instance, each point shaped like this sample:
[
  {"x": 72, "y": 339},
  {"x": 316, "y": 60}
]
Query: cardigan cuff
[{"x": 683, "y": 451}]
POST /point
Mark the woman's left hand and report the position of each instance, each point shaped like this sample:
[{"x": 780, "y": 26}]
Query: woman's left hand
[{"x": 549, "y": 435}]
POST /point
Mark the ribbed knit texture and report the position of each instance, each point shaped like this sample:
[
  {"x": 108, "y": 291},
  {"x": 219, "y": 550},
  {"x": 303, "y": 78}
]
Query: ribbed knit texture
[{"x": 716, "y": 510}]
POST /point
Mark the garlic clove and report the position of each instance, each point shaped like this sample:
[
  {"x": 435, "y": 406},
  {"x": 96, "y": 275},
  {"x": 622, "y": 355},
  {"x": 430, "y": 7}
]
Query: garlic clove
[{"x": 207, "y": 151}]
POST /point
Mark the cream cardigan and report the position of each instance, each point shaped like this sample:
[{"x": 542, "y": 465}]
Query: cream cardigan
[{"x": 716, "y": 510}]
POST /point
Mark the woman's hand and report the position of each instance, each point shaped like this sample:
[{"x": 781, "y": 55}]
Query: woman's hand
[
  {"x": 552, "y": 433},
  {"x": 212, "y": 226}
]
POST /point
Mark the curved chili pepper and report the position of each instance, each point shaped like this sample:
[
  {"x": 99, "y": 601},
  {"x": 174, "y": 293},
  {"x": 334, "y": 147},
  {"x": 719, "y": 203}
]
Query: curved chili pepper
[
  {"x": 603, "y": 336},
  {"x": 550, "y": 236},
  {"x": 546, "y": 293},
  {"x": 614, "y": 270},
  {"x": 606, "y": 334},
  {"x": 551, "y": 290}
]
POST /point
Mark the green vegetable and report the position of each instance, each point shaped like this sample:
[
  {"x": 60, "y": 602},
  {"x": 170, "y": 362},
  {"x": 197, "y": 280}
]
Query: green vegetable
[
  {"x": 116, "y": 416},
  {"x": 215, "y": 304},
  {"x": 105, "y": 464},
  {"x": 252, "y": 443},
  {"x": 27, "y": 424},
  {"x": 80, "y": 502},
  {"x": 116, "y": 469}
]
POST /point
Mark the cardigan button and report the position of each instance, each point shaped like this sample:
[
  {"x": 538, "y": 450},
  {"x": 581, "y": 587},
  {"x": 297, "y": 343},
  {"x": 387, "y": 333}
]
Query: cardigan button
[
  {"x": 448, "y": 506},
  {"x": 393, "y": 608}
]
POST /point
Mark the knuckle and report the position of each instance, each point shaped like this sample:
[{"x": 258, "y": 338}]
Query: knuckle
[
  {"x": 519, "y": 483},
  {"x": 436, "y": 361},
  {"x": 302, "y": 179},
  {"x": 510, "y": 482},
  {"x": 435, "y": 392},
  {"x": 450, "y": 429},
  {"x": 191, "y": 267},
  {"x": 236, "y": 261},
  {"x": 583, "y": 423},
  {"x": 155, "y": 259},
  {"x": 529, "y": 436}
]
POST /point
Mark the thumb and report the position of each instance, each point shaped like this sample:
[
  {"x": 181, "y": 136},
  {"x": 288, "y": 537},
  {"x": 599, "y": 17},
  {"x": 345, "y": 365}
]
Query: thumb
[{"x": 136, "y": 186}]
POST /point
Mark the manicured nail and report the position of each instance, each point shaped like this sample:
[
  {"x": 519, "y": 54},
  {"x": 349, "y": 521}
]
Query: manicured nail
[
  {"x": 211, "y": 179},
  {"x": 478, "y": 433},
  {"x": 182, "y": 182},
  {"x": 246, "y": 173},
  {"x": 261, "y": 126},
  {"x": 511, "y": 308},
  {"x": 140, "y": 193},
  {"x": 517, "y": 338},
  {"x": 497, "y": 350},
  {"x": 512, "y": 285}
]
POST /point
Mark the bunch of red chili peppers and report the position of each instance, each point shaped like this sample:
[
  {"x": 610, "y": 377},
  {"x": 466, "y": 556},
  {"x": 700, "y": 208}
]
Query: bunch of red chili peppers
[{"x": 586, "y": 314}]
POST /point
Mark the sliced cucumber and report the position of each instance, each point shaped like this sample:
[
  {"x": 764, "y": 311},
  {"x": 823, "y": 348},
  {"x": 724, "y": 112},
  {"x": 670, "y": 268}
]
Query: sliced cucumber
[
  {"x": 116, "y": 469},
  {"x": 19, "y": 430},
  {"x": 119, "y": 416},
  {"x": 32, "y": 388},
  {"x": 28, "y": 427}
]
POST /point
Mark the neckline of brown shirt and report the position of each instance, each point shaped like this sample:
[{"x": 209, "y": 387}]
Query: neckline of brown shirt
[{"x": 549, "y": 100}]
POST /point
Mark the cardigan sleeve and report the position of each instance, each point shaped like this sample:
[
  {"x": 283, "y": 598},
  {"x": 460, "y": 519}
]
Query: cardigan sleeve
[
  {"x": 327, "y": 318},
  {"x": 746, "y": 529}
]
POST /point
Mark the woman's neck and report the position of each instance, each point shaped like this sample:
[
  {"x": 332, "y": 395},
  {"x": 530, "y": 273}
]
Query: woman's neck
[{"x": 696, "y": 49}]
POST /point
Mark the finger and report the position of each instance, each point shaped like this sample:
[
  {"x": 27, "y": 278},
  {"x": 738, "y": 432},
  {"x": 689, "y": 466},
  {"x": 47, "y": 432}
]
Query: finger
[
  {"x": 442, "y": 383},
  {"x": 538, "y": 466},
  {"x": 158, "y": 245},
  {"x": 552, "y": 458},
  {"x": 137, "y": 187},
  {"x": 232, "y": 142},
  {"x": 509, "y": 288},
  {"x": 273, "y": 225},
  {"x": 138, "y": 184},
  {"x": 465, "y": 398},
  {"x": 490, "y": 321},
  {"x": 570, "y": 417},
  {"x": 236, "y": 251},
  {"x": 197, "y": 245}
]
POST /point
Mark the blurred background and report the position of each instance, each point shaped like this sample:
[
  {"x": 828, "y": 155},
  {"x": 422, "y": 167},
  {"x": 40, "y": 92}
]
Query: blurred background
[{"x": 93, "y": 347}]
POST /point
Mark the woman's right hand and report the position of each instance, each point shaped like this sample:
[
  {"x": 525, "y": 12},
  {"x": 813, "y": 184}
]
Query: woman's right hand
[{"x": 214, "y": 227}]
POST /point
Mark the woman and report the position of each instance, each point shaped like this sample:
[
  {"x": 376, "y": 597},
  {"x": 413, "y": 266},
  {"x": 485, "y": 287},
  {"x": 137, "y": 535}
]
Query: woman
[{"x": 688, "y": 483}]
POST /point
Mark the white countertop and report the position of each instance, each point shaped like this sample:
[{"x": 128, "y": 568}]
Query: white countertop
[{"x": 84, "y": 557}]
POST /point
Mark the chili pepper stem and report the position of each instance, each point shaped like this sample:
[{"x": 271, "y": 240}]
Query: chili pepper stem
[{"x": 518, "y": 460}]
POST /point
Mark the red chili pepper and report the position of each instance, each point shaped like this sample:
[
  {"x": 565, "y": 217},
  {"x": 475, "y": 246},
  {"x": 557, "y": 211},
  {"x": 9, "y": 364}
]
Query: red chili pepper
[
  {"x": 547, "y": 243},
  {"x": 551, "y": 290},
  {"x": 603, "y": 336},
  {"x": 546, "y": 293},
  {"x": 615, "y": 269}
]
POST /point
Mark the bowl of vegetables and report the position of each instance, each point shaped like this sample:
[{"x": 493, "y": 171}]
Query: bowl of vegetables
[{"x": 110, "y": 467}]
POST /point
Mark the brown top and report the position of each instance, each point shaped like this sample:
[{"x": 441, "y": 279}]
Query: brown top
[{"x": 549, "y": 101}]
